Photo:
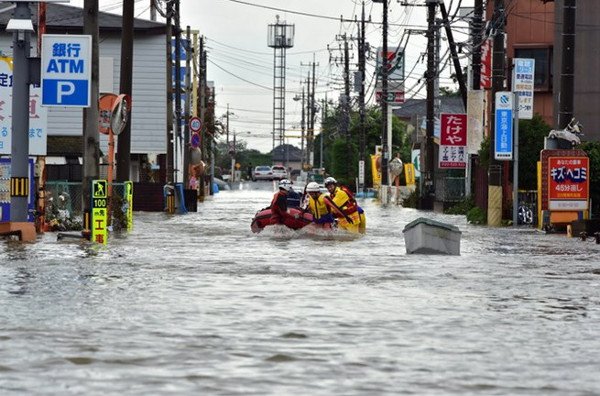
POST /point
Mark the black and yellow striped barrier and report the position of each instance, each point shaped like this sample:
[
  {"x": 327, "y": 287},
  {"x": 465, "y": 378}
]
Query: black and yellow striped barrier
[{"x": 19, "y": 186}]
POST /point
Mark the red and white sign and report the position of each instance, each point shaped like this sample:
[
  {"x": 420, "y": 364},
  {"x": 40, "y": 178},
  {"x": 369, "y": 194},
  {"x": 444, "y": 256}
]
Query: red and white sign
[
  {"x": 453, "y": 141},
  {"x": 195, "y": 124},
  {"x": 486, "y": 64},
  {"x": 568, "y": 183},
  {"x": 393, "y": 97}
]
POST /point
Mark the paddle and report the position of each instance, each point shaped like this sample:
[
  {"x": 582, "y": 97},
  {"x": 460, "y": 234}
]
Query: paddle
[{"x": 348, "y": 219}]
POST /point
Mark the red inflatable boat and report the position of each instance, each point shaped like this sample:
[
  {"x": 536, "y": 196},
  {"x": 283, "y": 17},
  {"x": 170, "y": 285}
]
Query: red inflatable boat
[{"x": 263, "y": 219}]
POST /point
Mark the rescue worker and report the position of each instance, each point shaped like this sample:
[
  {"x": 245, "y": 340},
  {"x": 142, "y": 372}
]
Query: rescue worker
[
  {"x": 279, "y": 205},
  {"x": 293, "y": 198},
  {"x": 317, "y": 206},
  {"x": 344, "y": 207}
]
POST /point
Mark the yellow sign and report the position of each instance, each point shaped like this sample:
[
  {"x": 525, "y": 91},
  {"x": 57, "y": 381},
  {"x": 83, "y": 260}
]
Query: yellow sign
[
  {"x": 99, "y": 212},
  {"x": 129, "y": 199},
  {"x": 376, "y": 170},
  {"x": 238, "y": 165},
  {"x": 409, "y": 174}
]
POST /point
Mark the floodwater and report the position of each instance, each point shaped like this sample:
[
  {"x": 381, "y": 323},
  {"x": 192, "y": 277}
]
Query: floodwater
[{"x": 196, "y": 304}]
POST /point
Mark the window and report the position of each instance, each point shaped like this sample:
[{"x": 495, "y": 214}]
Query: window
[{"x": 543, "y": 66}]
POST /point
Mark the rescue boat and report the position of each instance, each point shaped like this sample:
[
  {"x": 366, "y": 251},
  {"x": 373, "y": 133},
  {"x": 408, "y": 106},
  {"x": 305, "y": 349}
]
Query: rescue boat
[{"x": 298, "y": 220}]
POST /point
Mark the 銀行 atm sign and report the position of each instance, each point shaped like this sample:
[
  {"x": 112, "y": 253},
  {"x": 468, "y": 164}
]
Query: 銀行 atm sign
[{"x": 66, "y": 70}]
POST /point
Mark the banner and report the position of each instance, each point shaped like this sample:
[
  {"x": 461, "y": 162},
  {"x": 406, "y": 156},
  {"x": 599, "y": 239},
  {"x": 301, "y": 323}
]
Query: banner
[
  {"x": 453, "y": 141},
  {"x": 376, "y": 170},
  {"x": 475, "y": 109}
]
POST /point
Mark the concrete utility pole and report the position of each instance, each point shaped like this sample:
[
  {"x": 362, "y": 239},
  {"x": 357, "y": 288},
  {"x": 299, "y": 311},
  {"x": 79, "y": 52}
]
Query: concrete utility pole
[
  {"x": 427, "y": 196},
  {"x": 452, "y": 45},
  {"x": 385, "y": 151},
  {"x": 153, "y": 10},
  {"x": 498, "y": 75},
  {"x": 125, "y": 87},
  {"x": 361, "y": 101},
  {"x": 91, "y": 150},
  {"x": 186, "y": 114},
  {"x": 346, "y": 110},
  {"x": 567, "y": 70},
  {"x": 177, "y": 138},
  {"x": 477, "y": 43},
  {"x": 170, "y": 136}
]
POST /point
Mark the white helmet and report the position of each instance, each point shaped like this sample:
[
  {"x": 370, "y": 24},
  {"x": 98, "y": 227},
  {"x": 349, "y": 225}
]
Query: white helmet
[
  {"x": 285, "y": 184},
  {"x": 330, "y": 180},
  {"x": 313, "y": 187}
]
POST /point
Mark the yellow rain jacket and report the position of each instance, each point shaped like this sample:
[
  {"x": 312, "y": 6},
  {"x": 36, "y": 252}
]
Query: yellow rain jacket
[{"x": 345, "y": 209}]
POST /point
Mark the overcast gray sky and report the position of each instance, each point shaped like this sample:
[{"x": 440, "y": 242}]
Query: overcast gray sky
[{"x": 241, "y": 64}]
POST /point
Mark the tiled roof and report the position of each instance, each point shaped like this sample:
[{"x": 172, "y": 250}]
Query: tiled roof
[
  {"x": 287, "y": 152},
  {"x": 418, "y": 107},
  {"x": 60, "y": 17}
]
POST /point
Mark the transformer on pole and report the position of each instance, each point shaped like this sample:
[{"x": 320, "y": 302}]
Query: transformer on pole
[{"x": 280, "y": 37}]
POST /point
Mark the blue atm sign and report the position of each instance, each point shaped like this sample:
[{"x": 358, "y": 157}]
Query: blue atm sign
[{"x": 66, "y": 70}]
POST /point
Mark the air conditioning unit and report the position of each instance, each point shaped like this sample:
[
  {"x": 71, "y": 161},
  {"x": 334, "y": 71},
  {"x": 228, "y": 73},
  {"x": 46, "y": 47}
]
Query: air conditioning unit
[{"x": 289, "y": 42}]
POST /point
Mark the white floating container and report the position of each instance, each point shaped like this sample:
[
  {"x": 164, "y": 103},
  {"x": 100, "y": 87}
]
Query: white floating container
[{"x": 426, "y": 236}]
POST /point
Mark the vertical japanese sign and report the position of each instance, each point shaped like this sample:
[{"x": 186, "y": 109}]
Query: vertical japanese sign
[
  {"x": 453, "y": 141},
  {"x": 568, "y": 183},
  {"x": 523, "y": 83},
  {"x": 486, "y": 64},
  {"x": 503, "y": 131},
  {"x": 129, "y": 203},
  {"x": 38, "y": 115},
  {"x": 99, "y": 211},
  {"x": 66, "y": 70}
]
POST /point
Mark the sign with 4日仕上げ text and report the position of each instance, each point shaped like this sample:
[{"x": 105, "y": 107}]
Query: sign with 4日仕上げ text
[
  {"x": 453, "y": 141},
  {"x": 66, "y": 70}
]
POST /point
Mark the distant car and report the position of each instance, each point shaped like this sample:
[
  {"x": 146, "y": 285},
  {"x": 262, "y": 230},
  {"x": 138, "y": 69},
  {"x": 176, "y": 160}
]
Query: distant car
[
  {"x": 262, "y": 172},
  {"x": 279, "y": 172}
]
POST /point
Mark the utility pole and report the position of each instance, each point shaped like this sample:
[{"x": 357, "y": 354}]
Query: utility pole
[
  {"x": 361, "y": 101},
  {"x": 477, "y": 43},
  {"x": 177, "y": 117},
  {"x": 452, "y": 45},
  {"x": 91, "y": 150},
  {"x": 186, "y": 113},
  {"x": 153, "y": 10},
  {"x": 429, "y": 175},
  {"x": 346, "y": 110},
  {"x": 495, "y": 169},
  {"x": 567, "y": 70},
  {"x": 311, "y": 113},
  {"x": 385, "y": 153},
  {"x": 125, "y": 87},
  {"x": 170, "y": 136}
]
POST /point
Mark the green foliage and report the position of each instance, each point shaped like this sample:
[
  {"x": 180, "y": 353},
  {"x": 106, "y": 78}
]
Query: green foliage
[
  {"x": 344, "y": 157},
  {"x": 531, "y": 142},
  {"x": 412, "y": 200},
  {"x": 461, "y": 208},
  {"x": 593, "y": 151},
  {"x": 477, "y": 216}
]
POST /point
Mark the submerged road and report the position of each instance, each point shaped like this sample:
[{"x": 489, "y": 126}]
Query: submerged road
[{"x": 197, "y": 304}]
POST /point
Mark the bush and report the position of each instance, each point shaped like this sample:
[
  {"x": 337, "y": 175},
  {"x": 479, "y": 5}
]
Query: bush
[
  {"x": 412, "y": 200},
  {"x": 477, "y": 216},
  {"x": 461, "y": 208}
]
